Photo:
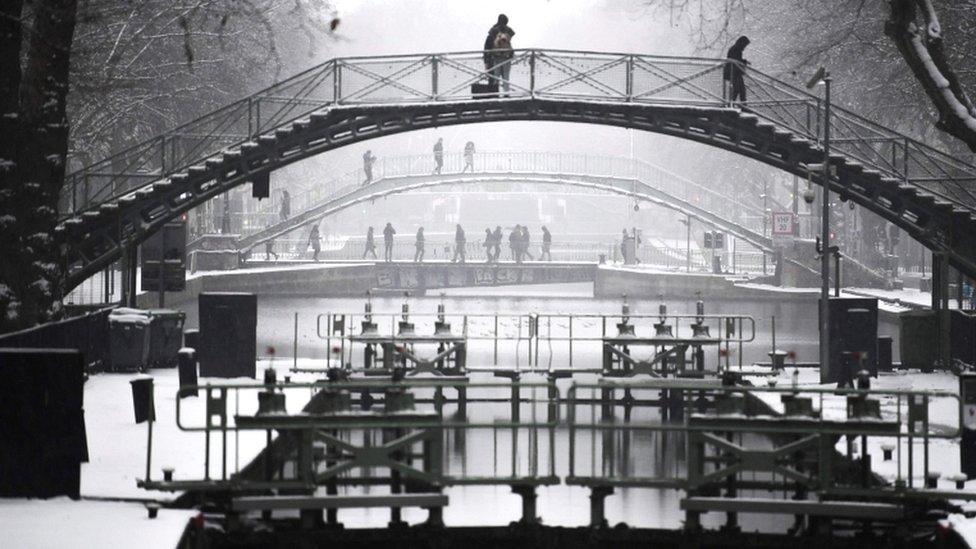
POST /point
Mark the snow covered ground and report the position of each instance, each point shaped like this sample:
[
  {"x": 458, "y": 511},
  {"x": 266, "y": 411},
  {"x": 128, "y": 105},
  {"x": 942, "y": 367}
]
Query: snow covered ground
[{"x": 61, "y": 522}]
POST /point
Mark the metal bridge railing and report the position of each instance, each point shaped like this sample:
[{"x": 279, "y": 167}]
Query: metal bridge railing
[
  {"x": 587, "y": 76},
  {"x": 519, "y": 163}
]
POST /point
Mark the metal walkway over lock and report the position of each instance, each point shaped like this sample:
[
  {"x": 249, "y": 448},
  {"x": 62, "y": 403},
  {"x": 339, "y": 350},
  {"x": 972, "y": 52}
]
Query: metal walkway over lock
[
  {"x": 406, "y": 418},
  {"x": 109, "y": 207}
]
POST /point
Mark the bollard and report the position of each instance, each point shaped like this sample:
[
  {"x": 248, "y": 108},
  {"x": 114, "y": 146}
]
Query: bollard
[
  {"x": 191, "y": 338},
  {"x": 187, "y": 366},
  {"x": 887, "y": 451},
  {"x": 168, "y": 474},
  {"x": 153, "y": 509},
  {"x": 864, "y": 380},
  {"x": 142, "y": 399},
  {"x": 959, "y": 479},
  {"x": 932, "y": 479},
  {"x": 777, "y": 359}
]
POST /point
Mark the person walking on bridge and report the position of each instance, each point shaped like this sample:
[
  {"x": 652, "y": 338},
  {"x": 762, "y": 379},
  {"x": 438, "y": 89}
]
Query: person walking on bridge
[
  {"x": 439, "y": 155},
  {"x": 388, "y": 233},
  {"x": 285, "y": 204},
  {"x": 489, "y": 245},
  {"x": 496, "y": 240},
  {"x": 370, "y": 244},
  {"x": 498, "y": 52},
  {"x": 468, "y": 157},
  {"x": 735, "y": 69},
  {"x": 368, "y": 161},
  {"x": 513, "y": 243},
  {"x": 313, "y": 241},
  {"x": 525, "y": 241},
  {"x": 546, "y": 244},
  {"x": 460, "y": 242},
  {"x": 418, "y": 256}
]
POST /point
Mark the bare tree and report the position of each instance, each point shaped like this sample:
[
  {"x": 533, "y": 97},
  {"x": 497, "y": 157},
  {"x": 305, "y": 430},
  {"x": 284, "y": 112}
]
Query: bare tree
[
  {"x": 134, "y": 68},
  {"x": 915, "y": 28}
]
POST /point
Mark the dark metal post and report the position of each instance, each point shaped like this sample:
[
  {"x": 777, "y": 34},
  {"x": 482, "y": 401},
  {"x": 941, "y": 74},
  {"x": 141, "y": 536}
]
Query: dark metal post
[
  {"x": 162, "y": 266},
  {"x": 825, "y": 239},
  {"x": 433, "y": 77}
]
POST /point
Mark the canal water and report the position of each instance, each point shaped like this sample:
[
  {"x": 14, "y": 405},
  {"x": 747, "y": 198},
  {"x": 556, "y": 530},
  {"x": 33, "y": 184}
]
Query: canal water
[{"x": 502, "y": 451}]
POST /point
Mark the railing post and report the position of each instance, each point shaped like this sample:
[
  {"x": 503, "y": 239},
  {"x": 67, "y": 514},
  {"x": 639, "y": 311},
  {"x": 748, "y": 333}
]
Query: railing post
[
  {"x": 906, "y": 160},
  {"x": 433, "y": 78},
  {"x": 250, "y": 114},
  {"x": 532, "y": 73},
  {"x": 630, "y": 77},
  {"x": 337, "y": 81},
  {"x": 162, "y": 155}
]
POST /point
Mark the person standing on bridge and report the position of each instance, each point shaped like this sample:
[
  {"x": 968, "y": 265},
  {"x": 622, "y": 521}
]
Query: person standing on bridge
[
  {"x": 418, "y": 256},
  {"x": 439, "y": 155},
  {"x": 285, "y": 204},
  {"x": 489, "y": 245},
  {"x": 460, "y": 242},
  {"x": 546, "y": 244},
  {"x": 468, "y": 157},
  {"x": 496, "y": 240},
  {"x": 513, "y": 243},
  {"x": 525, "y": 241},
  {"x": 370, "y": 244},
  {"x": 269, "y": 248},
  {"x": 498, "y": 51},
  {"x": 735, "y": 69},
  {"x": 368, "y": 161},
  {"x": 313, "y": 241},
  {"x": 388, "y": 233}
]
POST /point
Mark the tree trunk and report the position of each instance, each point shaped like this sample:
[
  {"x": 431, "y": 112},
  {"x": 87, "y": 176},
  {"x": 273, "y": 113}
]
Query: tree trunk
[{"x": 31, "y": 270}]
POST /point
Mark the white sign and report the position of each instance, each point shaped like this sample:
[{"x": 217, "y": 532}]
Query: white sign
[{"x": 783, "y": 228}]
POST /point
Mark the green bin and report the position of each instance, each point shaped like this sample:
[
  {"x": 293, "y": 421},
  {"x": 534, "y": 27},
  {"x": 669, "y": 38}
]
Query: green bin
[{"x": 166, "y": 337}]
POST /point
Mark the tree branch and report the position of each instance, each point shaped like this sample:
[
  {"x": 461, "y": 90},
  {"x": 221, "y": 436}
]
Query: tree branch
[{"x": 924, "y": 52}]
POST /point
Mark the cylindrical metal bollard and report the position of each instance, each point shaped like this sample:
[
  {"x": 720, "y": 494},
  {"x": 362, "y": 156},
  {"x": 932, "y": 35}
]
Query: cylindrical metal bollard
[
  {"x": 187, "y": 366},
  {"x": 191, "y": 338}
]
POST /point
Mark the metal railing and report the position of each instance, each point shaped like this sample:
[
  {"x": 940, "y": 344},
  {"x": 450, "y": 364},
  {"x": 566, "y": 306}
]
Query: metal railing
[
  {"x": 534, "y": 73},
  {"x": 528, "y": 342}
]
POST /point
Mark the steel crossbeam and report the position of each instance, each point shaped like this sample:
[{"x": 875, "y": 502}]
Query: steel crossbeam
[{"x": 377, "y": 456}]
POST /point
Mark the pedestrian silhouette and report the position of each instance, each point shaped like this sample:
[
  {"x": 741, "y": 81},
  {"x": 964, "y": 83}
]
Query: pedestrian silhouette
[
  {"x": 370, "y": 244},
  {"x": 313, "y": 241},
  {"x": 459, "y": 244},
  {"x": 468, "y": 156},
  {"x": 546, "y": 244},
  {"x": 498, "y": 52},
  {"x": 388, "y": 233},
  {"x": 734, "y": 70},
  {"x": 418, "y": 256},
  {"x": 439, "y": 154},
  {"x": 285, "y": 204},
  {"x": 368, "y": 161}
]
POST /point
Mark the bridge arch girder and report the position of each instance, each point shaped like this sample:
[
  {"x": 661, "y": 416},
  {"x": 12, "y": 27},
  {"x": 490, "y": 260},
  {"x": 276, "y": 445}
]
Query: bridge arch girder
[
  {"x": 98, "y": 237},
  {"x": 632, "y": 188}
]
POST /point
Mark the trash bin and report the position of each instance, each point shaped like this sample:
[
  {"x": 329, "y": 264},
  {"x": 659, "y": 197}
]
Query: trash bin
[
  {"x": 166, "y": 337},
  {"x": 228, "y": 335},
  {"x": 884, "y": 353},
  {"x": 129, "y": 331}
]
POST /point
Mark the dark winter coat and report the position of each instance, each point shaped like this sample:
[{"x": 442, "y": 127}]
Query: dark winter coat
[{"x": 735, "y": 54}]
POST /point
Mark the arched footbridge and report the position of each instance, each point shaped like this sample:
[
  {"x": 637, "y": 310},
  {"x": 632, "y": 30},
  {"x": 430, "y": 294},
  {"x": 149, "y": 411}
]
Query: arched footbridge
[
  {"x": 635, "y": 179},
  {"x": 111, "y": 206}
]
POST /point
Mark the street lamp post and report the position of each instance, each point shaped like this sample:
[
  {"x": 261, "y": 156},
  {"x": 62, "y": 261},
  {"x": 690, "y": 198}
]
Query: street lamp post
[{"x": 824, "y": 77}]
